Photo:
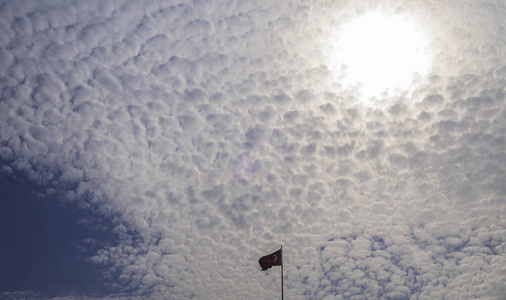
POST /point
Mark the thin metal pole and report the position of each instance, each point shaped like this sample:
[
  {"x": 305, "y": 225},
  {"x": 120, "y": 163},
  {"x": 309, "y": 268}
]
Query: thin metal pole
[{"x": 282, "y": 258}]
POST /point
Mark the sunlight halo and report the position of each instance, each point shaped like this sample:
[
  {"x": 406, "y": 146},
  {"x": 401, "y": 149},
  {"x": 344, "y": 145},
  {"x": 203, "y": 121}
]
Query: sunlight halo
[{"x": 381, "y": 54}]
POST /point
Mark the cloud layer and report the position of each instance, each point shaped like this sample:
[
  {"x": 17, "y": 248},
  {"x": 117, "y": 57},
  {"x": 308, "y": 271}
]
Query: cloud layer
[{"x": 213, "y": 131}]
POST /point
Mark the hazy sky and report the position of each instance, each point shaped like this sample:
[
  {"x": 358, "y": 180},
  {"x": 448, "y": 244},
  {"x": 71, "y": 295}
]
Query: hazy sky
[{"x": 157, "y": 149}]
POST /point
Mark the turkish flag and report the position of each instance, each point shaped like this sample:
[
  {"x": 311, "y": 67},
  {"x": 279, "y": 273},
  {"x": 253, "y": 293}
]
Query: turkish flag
[{"x": 273, "y": 259}]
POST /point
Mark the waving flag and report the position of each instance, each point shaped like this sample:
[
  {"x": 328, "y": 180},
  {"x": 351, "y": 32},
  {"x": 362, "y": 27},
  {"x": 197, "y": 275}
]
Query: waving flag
[{"x": 273, "y": 259}]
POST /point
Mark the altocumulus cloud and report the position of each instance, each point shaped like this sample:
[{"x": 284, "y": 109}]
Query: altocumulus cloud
[{"x": 213, "y": 131}]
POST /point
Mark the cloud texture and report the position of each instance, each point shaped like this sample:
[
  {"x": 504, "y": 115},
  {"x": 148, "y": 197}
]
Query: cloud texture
[{"x": 213, "y": 131}]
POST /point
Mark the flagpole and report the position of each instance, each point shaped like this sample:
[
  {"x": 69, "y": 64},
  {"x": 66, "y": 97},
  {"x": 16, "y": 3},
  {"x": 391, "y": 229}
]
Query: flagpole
[{"x": 282, "y": 272}]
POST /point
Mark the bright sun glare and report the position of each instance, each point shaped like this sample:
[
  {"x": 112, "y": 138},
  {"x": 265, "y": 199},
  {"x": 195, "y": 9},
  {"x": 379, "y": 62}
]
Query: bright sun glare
[{"x": 382, "y": 53}]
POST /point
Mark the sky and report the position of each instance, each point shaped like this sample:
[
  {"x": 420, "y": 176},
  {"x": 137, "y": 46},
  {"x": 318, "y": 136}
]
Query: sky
[{"x": 157, "y": 149}]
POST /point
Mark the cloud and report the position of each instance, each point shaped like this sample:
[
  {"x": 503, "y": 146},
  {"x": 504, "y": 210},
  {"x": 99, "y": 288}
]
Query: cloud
[{"x": 216, "y": 131}]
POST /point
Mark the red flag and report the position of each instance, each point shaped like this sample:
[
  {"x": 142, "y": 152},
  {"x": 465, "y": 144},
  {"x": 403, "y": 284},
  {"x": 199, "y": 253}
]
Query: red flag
[{"x": 273, "y": 259}]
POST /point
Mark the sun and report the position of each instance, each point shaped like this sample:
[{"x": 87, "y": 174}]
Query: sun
[{"x": 381, "y": 54}]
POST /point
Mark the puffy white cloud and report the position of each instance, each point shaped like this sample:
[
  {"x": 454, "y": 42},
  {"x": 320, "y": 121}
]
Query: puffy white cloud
[{"x": 217, "y": 130}]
